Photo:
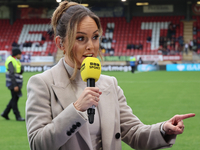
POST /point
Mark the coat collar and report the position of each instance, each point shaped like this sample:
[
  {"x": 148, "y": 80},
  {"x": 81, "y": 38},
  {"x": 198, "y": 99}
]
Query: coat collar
[{"x": 60, "y": 75}]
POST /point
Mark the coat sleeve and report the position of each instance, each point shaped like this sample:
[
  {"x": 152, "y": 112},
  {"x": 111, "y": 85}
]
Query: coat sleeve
[
  {"x": 44, "y": 131},
  {"x": 135, "y": 133}
]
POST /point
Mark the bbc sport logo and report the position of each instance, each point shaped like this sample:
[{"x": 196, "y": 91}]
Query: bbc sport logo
[{"x": 183, "y": 67}]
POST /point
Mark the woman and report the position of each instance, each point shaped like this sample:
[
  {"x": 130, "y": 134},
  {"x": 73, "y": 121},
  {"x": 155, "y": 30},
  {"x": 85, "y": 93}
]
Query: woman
[{"x": 58, "y": 98}]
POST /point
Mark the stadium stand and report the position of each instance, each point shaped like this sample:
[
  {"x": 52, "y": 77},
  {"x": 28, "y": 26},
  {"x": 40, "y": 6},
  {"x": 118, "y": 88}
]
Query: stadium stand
[
  {"x": 6, "y": 37},
  {"x": 196, "y": 33},
  {"x": 30, "y": 34},
  {"x": 138, "y": 30},
  {"x": 128, "y": 29},
  {"x": 120, "y": 34}
]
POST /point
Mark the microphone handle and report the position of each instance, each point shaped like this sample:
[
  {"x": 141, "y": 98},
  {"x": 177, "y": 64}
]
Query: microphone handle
[
  {"x": 91, "y": 111},
  {"x": 90, "y": 82}
]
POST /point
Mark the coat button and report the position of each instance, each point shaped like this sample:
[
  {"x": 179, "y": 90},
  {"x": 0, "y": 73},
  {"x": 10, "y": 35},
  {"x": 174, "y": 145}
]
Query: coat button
[
  {"x": 69, "y": 133},
  {"x": 78, "y": 124},
  {"x": 74, "y": 126},
  {"x": 72, "y": 130},
  {"x": 117, "y": 135}
]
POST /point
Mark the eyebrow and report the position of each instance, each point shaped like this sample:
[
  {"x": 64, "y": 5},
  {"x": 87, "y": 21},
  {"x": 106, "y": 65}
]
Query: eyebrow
[{"x": 86, "y": 34}]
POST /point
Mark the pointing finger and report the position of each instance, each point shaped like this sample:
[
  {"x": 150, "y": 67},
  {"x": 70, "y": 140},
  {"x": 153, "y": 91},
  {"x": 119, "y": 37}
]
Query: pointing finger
[{"x": 186, "y": 116}]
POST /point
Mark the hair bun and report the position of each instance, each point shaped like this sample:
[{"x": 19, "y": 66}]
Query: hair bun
[{"x": 63, "y": 6}]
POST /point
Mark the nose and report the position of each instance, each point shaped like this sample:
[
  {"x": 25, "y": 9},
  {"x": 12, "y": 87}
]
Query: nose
[{"x": 90, "y": 45}]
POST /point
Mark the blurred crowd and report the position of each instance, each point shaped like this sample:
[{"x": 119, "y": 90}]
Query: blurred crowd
[
  {"x": 170, "y": 45},
  {"x": 107, "y": 40}
]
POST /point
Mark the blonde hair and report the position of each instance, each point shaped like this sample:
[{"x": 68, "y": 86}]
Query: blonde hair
[{"x": 65, "y": 20}]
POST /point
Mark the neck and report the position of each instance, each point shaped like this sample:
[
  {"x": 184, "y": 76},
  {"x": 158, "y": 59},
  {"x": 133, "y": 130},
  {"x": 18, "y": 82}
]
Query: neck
[{"x": 68, "y": 62}]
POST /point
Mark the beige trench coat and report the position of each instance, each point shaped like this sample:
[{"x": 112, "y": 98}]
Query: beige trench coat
[{"x": 50, "y": 115}]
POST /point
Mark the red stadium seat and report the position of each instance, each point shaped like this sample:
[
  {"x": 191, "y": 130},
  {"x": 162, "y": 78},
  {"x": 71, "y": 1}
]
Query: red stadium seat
[{"x": 124, "y": 32}]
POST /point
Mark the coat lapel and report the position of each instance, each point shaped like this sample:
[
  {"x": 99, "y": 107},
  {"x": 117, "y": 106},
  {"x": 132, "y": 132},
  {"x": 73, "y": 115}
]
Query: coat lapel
[
  {"x": 65, "y": 95},
  {"x": 62, "y": 85},
  {"x": 63, "y": 90},
  {"x": 107, "y": 113}
]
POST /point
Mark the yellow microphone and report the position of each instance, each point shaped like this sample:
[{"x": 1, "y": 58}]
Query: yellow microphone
[{"x": 90, "y": 73}]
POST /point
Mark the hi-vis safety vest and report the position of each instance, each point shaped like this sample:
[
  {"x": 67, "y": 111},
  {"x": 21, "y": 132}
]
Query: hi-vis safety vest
[
  {"x": 17, "y": 69},
  {"x": 132, "y": 61}
]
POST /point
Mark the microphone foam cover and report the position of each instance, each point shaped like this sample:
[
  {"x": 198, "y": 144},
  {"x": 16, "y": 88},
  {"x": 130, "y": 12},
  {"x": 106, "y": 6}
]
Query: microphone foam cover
[{"x": 90, "y": 68}]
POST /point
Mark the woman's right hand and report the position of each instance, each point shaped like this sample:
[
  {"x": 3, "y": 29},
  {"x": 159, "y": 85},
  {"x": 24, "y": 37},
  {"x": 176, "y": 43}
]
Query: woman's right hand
[{"x": 89, "y": 97}]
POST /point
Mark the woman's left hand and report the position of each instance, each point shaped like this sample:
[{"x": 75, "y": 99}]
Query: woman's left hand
[{"x": 175, "y": 124}]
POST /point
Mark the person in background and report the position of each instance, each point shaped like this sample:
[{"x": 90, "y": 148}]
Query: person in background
[
  {"x": 132, "y": 61},
  {"x": 186, "y": 47},
  {"x": 58, "y": 99},
  {"x": 140, "y": 61},
  {"x": 14, "y": 83},
  {"x": 148, "y": 39},
  {"x": 191, "y": 44},
  {"x": 14, "y": 44}
]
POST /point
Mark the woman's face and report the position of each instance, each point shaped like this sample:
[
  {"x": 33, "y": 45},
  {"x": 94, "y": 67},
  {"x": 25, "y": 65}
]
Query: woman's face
[{"x": 86, "y": 42}]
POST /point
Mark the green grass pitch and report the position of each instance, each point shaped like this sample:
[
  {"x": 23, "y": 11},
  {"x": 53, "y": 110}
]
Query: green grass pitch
[{"x": 153, "y": 96}]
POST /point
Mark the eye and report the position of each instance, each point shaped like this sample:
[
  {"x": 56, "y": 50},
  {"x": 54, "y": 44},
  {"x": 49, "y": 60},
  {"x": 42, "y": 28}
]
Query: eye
[
  {"x": 96, "y": 37},
  {"x": 81, "y": 38}
]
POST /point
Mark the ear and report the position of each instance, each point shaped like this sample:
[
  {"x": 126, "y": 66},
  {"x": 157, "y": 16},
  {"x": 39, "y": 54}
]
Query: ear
[{"x": 58, "y": 41}]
